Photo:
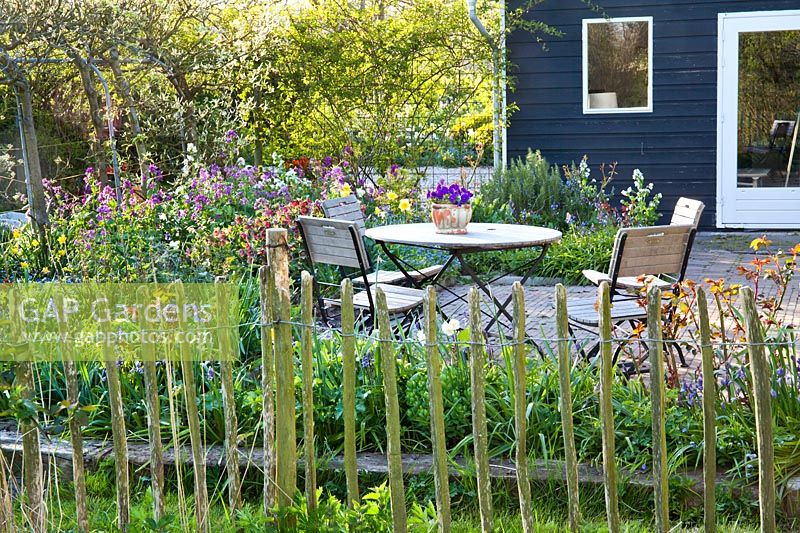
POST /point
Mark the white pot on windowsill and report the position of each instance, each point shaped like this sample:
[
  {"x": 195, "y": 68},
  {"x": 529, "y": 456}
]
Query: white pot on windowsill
[{"x": 603, "y": 101}]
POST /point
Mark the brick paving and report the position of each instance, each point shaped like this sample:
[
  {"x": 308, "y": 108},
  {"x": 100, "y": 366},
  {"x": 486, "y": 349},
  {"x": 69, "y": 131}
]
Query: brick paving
[{"x": 715, "y": 255}]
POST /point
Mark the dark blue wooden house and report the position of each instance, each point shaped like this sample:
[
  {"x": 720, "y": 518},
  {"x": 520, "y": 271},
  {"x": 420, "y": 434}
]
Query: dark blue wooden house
[{"x": 701, "y": 96}]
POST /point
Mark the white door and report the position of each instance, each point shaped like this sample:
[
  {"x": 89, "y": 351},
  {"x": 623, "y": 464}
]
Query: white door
[{"x": 758, "y": 109}]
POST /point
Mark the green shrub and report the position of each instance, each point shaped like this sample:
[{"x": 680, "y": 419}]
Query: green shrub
[
  {"x": 534, "y": 192},
  {"x": 530, "y": 186}
]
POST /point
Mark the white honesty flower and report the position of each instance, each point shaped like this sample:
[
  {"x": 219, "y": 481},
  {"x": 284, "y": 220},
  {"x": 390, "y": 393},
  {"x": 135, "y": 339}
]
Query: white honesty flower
[
  {"x": 421, "y": 337},
  {"x": 451, "y": 327},
  {"x": 175, "y": 245}
]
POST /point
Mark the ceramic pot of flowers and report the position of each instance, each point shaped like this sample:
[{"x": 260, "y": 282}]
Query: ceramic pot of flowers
[{"x": 451, "y": 208}]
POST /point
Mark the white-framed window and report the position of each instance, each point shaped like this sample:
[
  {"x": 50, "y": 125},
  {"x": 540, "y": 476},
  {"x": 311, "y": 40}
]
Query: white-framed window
[{"x": 618, "y": 65}]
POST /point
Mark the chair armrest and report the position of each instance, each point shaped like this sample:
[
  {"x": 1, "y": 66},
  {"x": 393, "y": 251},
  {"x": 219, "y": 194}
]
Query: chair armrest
[{"x": 596, "y": 277}]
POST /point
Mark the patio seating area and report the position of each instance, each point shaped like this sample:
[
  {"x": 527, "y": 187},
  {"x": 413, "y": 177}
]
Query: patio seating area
[
  {"x": 714, "y": 256},
  {"x": 663, "y": 255}
]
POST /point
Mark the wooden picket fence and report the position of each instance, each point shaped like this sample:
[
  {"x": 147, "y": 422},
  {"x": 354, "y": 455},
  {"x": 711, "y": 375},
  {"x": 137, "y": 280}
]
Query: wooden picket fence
[{"x": 280, "y": 459}]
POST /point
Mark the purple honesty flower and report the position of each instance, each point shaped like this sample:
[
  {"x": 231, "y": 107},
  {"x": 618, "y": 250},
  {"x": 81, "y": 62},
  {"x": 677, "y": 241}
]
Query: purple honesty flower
[
  {"x": 230, "y": 136},
  {"x": 327, "y": 161},
  {"x": 155, "y": 172}
]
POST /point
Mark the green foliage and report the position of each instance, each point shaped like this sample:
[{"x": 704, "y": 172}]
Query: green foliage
[
  {"x": 474, "y": 128},
  {"x": 535, "y": 193},
  {"x": 578, "y": 251},
  {"x": 387, "y": 79},
  {"x": 491, "y": 211}
]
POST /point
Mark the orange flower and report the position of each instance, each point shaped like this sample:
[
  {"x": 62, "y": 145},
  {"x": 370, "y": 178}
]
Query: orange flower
[{"x": 795, "y": 250}]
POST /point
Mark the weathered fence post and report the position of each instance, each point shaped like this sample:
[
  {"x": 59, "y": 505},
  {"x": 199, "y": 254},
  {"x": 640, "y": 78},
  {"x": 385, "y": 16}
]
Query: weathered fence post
[
  {"x": 760, "y": 370},
  {"x": 349, "y": 391},
  {"x": 76, "y": 440},
  {"x": 565, "y": 405},
  {"x": 118, "y": 430},
  {"x": 176, "y": 446},
  {"x": 480, "y": 431},
  {"x": 227, "y": 354},
  {"x": 193, "y": 418},
  {"x": 75, "y": 436},
  {"x": 709, "y": 417},
  {"x": 520, "y": 409},
  {"x": 607, "y": 411},
  {"x": 266, "y": 292},
  {"x": 7, "y": 524},
  {"x": 657, "y": 385},
  {"x": 153, "y": 406},
  {"x": 395, "y": 460},
  {"x": 441, "y": 477},
  {"x": 32, "y": 470},
  {"x": 285, "y": 432},
  {"x": 307, "y": 363}
]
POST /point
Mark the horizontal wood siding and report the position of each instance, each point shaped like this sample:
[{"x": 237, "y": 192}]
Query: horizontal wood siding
[{"x": 675, "y": 146}]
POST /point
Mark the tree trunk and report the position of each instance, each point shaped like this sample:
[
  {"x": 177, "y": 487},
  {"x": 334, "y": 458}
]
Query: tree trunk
[
  {"x": 124, "y": 88},
  {"x": 38, "y": 206},
  {"x": 89, "y": 88}
]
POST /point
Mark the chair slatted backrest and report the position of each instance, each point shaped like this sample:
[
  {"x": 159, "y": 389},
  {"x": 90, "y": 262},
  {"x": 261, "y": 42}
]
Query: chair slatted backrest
[
  {"x": 347, "y": 208},
  {"x": 652, "y": 251},
  {"x": 687, "y": 211},
  {"x": 333, "y": 242}
]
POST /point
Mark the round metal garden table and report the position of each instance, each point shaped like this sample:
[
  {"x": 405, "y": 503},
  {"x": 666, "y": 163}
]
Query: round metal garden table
[{"x": 480, "y": 238}]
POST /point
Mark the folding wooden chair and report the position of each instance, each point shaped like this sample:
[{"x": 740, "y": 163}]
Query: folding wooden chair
[
  {"x": 687, "y": 212},
  {"x": 339, "y": 243},
  {"x": 349, "y": 208},
  {"x": 658, "y": 251}
]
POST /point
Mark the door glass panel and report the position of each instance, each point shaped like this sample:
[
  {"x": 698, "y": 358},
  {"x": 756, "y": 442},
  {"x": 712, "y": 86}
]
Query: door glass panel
[{"x": 768, "y": 153}]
